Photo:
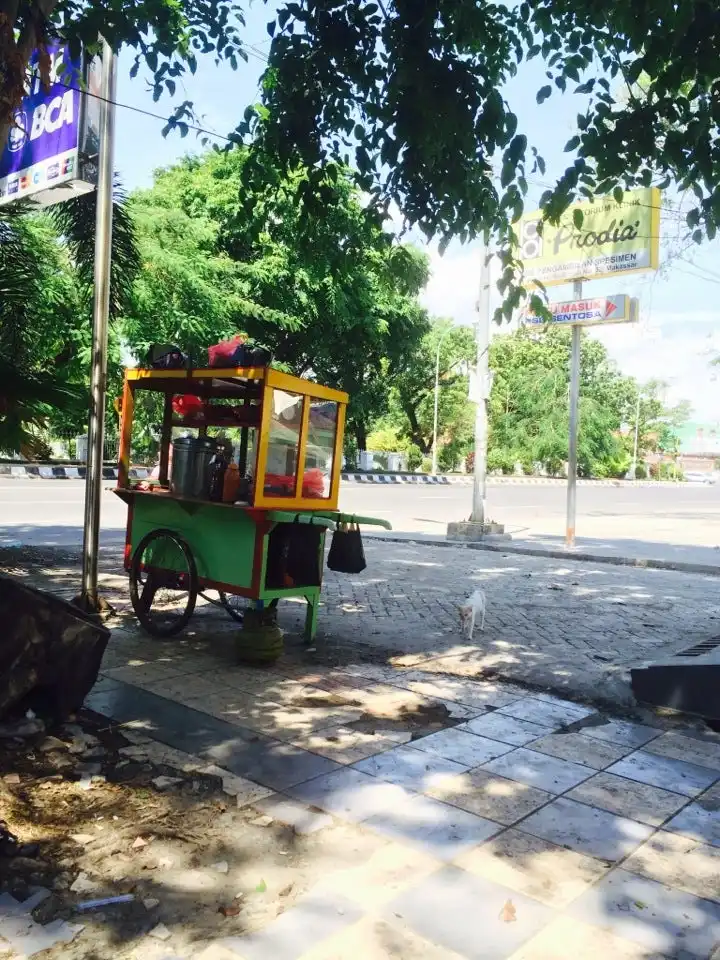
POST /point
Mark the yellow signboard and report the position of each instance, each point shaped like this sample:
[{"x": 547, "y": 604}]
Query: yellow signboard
[{"x": 614, "y": 238}]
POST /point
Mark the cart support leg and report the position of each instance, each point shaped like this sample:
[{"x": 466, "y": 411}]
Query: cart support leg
[{"x": 311, "y": 616}]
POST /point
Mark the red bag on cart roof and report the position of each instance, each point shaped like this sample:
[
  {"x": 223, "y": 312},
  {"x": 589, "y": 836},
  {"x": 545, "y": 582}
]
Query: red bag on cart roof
[
  {"x": 227, "y": 353},
  {"x": 187, "y": 405}
]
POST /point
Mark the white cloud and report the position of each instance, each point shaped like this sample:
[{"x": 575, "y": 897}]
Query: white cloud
[
  {"x": 676, "y": 347},
  {"x": 453, "y": 288}
]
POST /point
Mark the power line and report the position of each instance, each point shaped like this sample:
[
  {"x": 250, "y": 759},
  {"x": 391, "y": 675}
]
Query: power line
[
  {"x": 697, "y": 276},
  {"x": 709, "y": 273},
  {"x": 148, "y": 113}
]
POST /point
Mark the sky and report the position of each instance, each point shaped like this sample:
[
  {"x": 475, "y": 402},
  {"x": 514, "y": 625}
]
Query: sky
[{"x": 679, "y": 329}]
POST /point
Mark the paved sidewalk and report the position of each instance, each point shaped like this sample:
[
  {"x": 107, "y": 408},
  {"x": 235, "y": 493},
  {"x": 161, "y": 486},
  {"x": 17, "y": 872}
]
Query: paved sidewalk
[
  {"x": 572, "y": 627},
  {"x": 567, "y": 626},
  {"x": 412, "y": 806},
  {"x": 624, "y": 552},
  {"x": 453, "y": 819}
]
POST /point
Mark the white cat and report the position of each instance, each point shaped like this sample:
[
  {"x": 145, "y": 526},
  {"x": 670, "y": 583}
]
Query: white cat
[{"x": 474, "y": 605}]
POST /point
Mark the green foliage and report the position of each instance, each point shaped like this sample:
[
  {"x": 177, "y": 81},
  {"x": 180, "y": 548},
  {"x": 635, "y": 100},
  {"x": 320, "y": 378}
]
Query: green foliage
[
  {"x": 386, "y": 440},
  {"x": 329, "y": 292},
  {"x": 414, "y": 94},
  {"x": 38, "y": 319},
  {"x": 658, "y": 423},
  {"x": 412, "y": 392},
  {"x": 166, "y": 35},
  {"x": 666, "y": 471},
  {"x": 529, "y": 410},
  {"x": 46, "y": 270},
  {"x": 75, "y": 222},
  {"x": 528, "y": 407}
]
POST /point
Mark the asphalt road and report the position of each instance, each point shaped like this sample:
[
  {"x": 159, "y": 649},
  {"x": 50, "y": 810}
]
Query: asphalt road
[{"x": 51, "y": 511}]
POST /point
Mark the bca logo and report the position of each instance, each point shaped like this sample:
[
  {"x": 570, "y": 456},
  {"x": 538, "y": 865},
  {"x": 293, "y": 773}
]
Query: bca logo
[
  {"x": 49, "y": 117},
  {"x": 17, "y": 138}
]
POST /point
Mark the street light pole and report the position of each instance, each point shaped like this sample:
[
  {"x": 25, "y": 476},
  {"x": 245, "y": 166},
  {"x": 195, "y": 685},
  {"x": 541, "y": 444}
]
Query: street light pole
[
  {"x": 633, "y": 469},
  {"x": 437, "y": 396},
  {"x": 101, "y": 310},
  {"x": 573, "y": 439},
  {"x": 481, "y": 420}
]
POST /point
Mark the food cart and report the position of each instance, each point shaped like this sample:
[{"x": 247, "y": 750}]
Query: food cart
[{"x": 266, "y": 541}]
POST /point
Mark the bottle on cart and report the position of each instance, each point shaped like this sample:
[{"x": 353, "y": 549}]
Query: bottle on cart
[
  {"x": 218, "y": 467},
  {"x": 231, "y": 483}
]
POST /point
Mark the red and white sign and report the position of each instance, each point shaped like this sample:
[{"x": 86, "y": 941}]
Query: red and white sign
[{"x": 590, "y": 311}]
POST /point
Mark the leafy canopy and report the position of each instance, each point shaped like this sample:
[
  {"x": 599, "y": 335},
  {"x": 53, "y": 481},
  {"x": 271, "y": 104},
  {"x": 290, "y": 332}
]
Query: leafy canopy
[
  {"x": 329, "y": 292},
  {"x": 410, "y": 92},
  {"x": 528, "y": 408},
  {"x": 46, "y": 270}
]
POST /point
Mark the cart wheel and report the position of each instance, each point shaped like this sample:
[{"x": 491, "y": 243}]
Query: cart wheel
[
  {"x": 234, "y": 605},
  {"x": 163, "y": 583}
]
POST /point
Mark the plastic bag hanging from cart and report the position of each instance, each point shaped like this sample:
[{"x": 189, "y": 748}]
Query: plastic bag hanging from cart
[{"x": 346, "y": 550}]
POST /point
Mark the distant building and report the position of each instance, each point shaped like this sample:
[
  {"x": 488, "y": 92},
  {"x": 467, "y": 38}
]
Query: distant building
[
  {"x": 699, "y": 447},
  {"x": 699, "y": 439}
]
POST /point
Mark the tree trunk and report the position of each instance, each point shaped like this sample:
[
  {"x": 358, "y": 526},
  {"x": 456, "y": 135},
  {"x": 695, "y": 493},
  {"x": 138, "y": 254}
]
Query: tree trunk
[
  {"x": 360, "y": 434},
  {"x": 416, "y": 434}
]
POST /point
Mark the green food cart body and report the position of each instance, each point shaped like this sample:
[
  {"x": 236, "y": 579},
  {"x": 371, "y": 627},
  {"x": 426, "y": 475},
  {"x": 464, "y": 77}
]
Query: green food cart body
[{"x": 229, "y": 544}]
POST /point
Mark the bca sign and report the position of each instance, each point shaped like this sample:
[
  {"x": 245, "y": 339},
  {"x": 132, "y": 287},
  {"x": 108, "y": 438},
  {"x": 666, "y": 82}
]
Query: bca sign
[
  {"x": 47, "y": 147},
  {"x": 590, "y": 312}
]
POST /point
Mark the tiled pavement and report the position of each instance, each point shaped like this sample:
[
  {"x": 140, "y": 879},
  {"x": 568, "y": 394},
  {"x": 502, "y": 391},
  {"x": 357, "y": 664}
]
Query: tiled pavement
[
  {"x": 572, "y": 627},
  {"x": 507, "y": 825}
]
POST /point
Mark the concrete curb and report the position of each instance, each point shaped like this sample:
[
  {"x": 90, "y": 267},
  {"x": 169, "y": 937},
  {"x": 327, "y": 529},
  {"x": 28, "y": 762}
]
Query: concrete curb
[
  {"x": 678, "y": 566},
  {"x": 448, "y": 479},
  {"x": 48, "y": 471},
  {"x": 43, "y": 471}
]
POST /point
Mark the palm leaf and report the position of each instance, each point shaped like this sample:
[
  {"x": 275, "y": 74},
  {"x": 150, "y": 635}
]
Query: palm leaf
[
  {"x": 17, "y": 266},
  {"x": 75, "y": 220},
  {"x": 26, "y": 401}
]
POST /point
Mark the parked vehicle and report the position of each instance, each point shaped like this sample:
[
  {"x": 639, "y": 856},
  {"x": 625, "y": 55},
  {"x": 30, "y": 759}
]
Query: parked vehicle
[{"x": 696, "y": 476}]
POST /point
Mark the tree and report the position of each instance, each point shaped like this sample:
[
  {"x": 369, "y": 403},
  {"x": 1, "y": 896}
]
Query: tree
[
  {"x": 167, "y": 36},
  {"x": 657, "y": 422},
  {"x": 412, "y": 394},
  {"x": 529, "y": 407},
  {"x": 330, "y": 292},
  {"x": 38, "y": 308},
  {"x": 46, "y": 269},
  {"x": 412, "y": 93}
]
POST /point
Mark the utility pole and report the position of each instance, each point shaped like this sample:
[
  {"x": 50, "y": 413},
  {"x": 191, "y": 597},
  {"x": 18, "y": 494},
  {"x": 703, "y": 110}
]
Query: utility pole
[
  {"x": 437, "y": 398},
  {"x": 478, "y": 514},
  {"x": 101, "y": 310},
  {"x": 633, "y": 468},
  {"x": 572, "y": 446}
]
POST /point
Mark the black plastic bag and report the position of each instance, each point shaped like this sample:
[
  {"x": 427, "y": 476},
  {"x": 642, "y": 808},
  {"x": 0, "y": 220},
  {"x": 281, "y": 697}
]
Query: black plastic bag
[
  {"x": 166, "y": 356},
  {"x": 346, "y": 550},
  {"x": 258, "y": 356}
]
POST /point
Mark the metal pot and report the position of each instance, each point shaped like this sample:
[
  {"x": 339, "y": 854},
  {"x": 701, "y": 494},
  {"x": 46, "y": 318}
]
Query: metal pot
[{"x": 190, "y": 476}]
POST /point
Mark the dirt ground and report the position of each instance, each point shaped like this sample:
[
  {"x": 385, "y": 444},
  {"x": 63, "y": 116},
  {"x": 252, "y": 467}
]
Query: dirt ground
[
  {"x": 113, "y": 814},
  {"x": 192, "y": 858}
]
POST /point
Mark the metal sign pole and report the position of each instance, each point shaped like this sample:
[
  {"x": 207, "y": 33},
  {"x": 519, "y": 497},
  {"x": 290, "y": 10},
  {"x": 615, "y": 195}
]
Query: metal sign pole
[
  {"x": 572, "y": 446},
  {"x": 101, "y": 310},
  {"x": 481, "y": 424}
]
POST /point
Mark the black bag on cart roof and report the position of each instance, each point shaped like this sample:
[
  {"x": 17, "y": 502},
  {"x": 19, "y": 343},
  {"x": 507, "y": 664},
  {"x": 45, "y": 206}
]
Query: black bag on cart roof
[{"x": 346, "y": 550}]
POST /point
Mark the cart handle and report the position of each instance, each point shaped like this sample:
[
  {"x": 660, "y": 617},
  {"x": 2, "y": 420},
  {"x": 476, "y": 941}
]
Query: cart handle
[
  {"x": 354, "y": 518},
  {"x": 281, "y": 516}
]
